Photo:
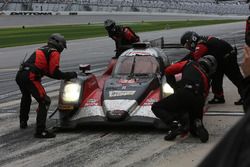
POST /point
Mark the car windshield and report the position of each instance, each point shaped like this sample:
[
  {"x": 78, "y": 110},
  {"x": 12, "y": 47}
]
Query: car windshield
[{"x": 138, "y": 65}]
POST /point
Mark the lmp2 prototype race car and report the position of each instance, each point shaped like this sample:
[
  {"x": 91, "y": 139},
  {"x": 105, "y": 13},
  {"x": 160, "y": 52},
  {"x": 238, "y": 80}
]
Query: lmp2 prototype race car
[{"x": 122, "y": 95}]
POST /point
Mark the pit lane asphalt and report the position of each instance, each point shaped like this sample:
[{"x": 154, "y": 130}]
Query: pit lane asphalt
[{"x": 102, "y": 146}]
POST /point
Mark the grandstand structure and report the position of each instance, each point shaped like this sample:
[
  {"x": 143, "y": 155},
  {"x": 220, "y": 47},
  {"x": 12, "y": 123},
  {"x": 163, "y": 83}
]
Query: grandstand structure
[{"x": 221, "y": 7}]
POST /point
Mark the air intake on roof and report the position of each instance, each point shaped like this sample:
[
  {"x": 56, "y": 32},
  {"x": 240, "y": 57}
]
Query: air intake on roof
[{"x": 141, "y": 45}]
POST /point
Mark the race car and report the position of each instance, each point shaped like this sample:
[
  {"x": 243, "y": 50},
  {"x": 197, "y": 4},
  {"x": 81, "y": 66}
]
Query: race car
[{"x": 122, "y": 95}]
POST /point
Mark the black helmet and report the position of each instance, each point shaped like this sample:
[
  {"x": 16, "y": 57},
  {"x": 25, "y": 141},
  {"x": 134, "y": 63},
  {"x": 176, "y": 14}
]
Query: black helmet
[
  {"x": 208, "y": 63},
  {"x": 109, "y": 24},
  {"x": 58, "y": 41},
  {"x": 190, "y": 38}
]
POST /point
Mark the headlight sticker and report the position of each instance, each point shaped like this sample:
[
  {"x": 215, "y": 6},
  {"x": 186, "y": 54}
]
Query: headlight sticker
[{"x": 149, "y": 102}]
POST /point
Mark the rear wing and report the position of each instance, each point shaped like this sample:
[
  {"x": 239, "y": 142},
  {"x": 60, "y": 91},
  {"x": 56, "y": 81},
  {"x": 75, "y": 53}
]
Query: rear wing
[
  {"x": 160, "y": 43},
  {"x": 171, "y": 50}
]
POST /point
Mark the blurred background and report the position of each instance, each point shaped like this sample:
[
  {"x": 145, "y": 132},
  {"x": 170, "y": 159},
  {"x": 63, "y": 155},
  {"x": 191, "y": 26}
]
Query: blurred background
[{"x": 221, "y": 7}]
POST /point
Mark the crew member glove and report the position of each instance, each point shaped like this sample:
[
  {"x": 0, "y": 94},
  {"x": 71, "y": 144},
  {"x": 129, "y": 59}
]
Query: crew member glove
[{"x": 70, "y": 75}]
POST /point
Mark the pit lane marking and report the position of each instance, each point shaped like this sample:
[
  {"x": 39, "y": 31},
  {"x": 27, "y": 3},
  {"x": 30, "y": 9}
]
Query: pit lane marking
[
  {"x": 224, "y": 113},
  {"x": 6, "y": 80},
  {"x": 8, "y": 69},
  {"x": 4, "y": 111},
  {"x": 16, "y": 102}
]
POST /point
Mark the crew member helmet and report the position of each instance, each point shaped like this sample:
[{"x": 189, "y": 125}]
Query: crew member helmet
[
  {"x": 208, "y": 63},
  {"x": 109, "y": 24},
  {"x": 190, "y": 39},
  {"x": 58, "y": 41}
]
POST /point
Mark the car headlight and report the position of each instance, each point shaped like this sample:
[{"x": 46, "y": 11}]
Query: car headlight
[
  {"x": 71, "y": 92},
  {"x": 167, "y": 90}
]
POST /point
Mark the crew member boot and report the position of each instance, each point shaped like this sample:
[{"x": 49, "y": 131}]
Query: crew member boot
[
  {"x": 200, "y": 130},
  {"x": 23, "y": 124},
  {"x": 239, "y": 102},
  {"x": 41, "y": 131},
  {"x": 44, "y": 134},
  {"x": 176, "y": 128},
  {"x": 217, "y": 100}
]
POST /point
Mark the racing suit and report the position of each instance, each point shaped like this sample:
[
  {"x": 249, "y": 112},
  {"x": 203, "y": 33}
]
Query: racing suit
[
  {"x": 226, "y": 58},
  {"x": 44, "y": 61},
  {"x": 189, "y": 97},
  {"x": 124, "y": 37},
  {"x": 246, "y": 105}
]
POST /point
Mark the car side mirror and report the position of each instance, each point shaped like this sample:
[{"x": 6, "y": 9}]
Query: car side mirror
[{"x": 84, "y": 68}]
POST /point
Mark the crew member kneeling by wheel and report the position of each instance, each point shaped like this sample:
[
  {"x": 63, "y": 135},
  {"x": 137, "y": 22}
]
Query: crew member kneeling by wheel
[
  {"x": 44, "y": 61},
  {"x": 183, "y": 110}
]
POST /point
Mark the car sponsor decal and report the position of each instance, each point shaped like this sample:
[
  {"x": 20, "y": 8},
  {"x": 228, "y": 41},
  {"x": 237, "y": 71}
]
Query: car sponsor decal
[
  {"x": 92, "y": 102},
  {"x": 121, "y": 93},
  {"x": 149, "y": 102},
  {"x": 124, "y": 81},
  {"x": 66, "y": 107},
  {"x": 138, "y": 53}
]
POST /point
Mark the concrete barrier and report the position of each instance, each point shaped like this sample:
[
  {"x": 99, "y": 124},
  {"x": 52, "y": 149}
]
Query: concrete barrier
[{"x": 112, "y": 13}]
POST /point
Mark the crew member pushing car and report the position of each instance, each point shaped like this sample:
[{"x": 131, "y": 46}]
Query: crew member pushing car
[
  {"x": 123, "y": 36},
  {"x": 44, "y": 61},
  {"x": 183, "y": 110},
  {"x": 226, "y": 57}
]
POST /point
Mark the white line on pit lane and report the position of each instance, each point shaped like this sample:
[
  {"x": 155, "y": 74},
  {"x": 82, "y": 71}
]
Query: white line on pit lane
[
  {"x": 15, "y": 102},
  {"x": 8, "y": 69},
  {"x": 7, "y": 80},
  {"x": 224, "y": 113},
  {"x": 2, "y": 111}
]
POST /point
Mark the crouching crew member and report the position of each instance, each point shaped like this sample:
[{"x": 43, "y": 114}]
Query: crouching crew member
[
  {"x": 124, "y": 37},
  {"x": 183, "y": 110},
  {"x": 226, "y": 57},
  {"x": 44, "y": 61},
  {"x": 233, "y": 149}
]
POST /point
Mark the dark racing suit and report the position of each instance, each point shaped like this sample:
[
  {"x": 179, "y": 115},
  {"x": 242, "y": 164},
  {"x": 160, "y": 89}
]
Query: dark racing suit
[
  {"x": 44, "y": 61},
  {"x": 188, "y": 98},
  {"x": 246, "y": 94},
  {"x": 226, "y": 58},
  {"x": 233, "y": 149},
  {"x": 124, "y": 37}
]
